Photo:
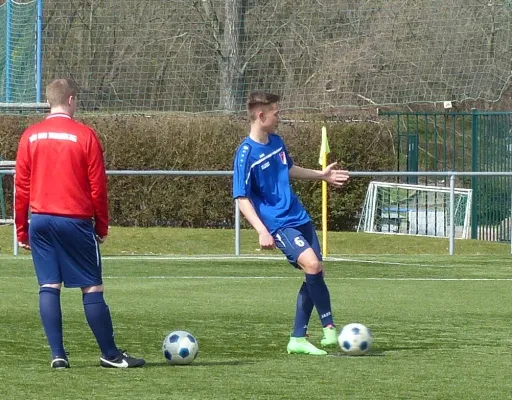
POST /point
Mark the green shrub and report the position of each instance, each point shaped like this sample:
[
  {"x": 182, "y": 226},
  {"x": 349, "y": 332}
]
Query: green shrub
[{"x": 191, "y": 142}]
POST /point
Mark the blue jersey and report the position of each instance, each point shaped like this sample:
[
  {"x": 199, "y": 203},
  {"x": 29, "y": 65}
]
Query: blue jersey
[{"x": 261, "y": 173}]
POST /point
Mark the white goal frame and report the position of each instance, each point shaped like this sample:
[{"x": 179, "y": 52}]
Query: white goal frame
[{"x": 367, "y": 222}]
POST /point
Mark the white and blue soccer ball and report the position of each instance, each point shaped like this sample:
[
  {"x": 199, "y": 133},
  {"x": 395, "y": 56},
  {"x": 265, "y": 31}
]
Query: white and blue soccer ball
[
  {"x": 355, "y": 339},
  {"x": 180, "y": 348}
]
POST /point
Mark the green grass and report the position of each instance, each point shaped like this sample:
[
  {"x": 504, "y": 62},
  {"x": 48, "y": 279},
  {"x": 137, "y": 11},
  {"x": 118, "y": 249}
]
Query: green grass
[
  {"x": 441, "y": 324},
  {"x": 158, "y": 241}
]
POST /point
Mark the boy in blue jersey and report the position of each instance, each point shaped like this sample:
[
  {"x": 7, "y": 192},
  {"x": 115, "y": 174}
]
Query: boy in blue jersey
[{"x": 261, "y": 183}]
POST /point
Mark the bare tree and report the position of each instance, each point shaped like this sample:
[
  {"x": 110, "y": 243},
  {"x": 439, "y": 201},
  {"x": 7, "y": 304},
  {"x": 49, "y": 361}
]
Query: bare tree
[
  {"x": 227, "y": 35},
  {"x": 204, "y": 55}
]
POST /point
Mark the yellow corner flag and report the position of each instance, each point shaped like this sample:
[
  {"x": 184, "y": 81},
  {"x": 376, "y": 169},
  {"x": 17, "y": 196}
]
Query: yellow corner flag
[{"x": 324, "y": 150}]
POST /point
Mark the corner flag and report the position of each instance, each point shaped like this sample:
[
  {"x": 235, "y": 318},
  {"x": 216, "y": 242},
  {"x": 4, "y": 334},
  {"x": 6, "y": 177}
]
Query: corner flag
[{"x": 324, "y": 150}]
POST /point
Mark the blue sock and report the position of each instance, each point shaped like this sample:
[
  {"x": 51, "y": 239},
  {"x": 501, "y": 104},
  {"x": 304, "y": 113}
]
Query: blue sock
[
  {"x": 321, "y": 298},
  {"x": 303, "y": 312},
  {"x": 51, "y": 316},
  {"x": 98, "y": 318}
]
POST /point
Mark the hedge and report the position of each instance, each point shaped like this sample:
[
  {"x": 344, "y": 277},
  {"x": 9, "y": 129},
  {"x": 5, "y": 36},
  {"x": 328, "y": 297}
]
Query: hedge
[{"x": 192, "y": 142}]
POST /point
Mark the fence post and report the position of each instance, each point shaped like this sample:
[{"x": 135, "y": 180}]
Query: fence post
[
  {"x": 452, "y": 215},
  {"x": 14, "y": 235},
  {"x": 474, "y": 168},
  {"x": 2, "y": 201},
  {"x": 8, "y": 29},
  {"x": 237, "y": 228}
]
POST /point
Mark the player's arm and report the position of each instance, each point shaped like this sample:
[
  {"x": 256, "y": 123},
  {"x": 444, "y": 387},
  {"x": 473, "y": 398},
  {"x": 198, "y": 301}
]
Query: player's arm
[
  {"x": 98, "y": 184},
  {"x": 241, "y": 191},
  {"x": 247, "y": 209},
  {"x": 22, "y": 187},
  {"x": 336, "y": 177}
]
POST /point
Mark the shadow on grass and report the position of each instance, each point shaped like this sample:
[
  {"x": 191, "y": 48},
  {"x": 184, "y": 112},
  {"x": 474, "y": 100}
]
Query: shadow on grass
[
  {"x": 166, "y": 365},
  {"x": 369, "y": 354},
  {"x": 428, "y": 347},
  {"x": 200, "y": 364}
]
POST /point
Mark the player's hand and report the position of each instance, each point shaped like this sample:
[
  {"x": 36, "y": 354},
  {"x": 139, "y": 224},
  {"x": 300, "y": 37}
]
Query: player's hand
[
  {"x": 25, "y": 246},
  {"x": 266, "y": 241},
  {"x": 101, "y": 239},
  {"x": 336, "y": 177}
]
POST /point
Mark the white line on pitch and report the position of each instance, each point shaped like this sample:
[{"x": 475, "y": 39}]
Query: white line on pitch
[
  {"x": 241, "y": 258},
  {"x": 376, "y": 262},
  {"x": 328, "y": 278},
  {"x": 235, "y": 258}
]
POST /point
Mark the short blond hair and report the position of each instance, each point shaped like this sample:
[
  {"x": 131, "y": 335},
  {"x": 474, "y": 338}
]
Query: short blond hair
[
  {"x": 60, "y": 90},
  {"x": 260, "y": 99}
]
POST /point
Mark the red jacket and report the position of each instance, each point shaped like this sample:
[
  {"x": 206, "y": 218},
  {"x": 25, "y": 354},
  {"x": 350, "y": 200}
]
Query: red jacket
[{"x": 60, "y": 171}]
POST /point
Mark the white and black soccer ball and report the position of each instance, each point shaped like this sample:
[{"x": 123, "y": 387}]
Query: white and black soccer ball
[
  {"x": 355, "y": 339},
  {"x": 180, "y": 348}
]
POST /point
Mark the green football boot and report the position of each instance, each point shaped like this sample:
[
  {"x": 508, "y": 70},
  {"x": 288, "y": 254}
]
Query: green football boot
[
  {"x": 330, "y": 337},
  {"x": 301, "y": 346}
]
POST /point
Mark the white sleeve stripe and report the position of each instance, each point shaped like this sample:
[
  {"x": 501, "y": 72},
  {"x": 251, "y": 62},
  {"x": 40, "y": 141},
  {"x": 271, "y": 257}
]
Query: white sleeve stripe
[{"x": 256, "y": 163}]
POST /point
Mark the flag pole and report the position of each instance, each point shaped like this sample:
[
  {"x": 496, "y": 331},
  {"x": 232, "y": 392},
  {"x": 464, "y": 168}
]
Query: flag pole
[{"x": 324, "y": 149}]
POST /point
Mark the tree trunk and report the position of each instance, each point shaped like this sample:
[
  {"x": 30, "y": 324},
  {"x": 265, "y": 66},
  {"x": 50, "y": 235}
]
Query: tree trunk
[{"x": 230, "y": 71}]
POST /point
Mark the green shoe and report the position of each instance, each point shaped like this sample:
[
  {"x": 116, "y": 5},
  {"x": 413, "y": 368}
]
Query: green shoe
[
  {"x": 301, "y": 346},
  {"x": 330, "y": 337}
]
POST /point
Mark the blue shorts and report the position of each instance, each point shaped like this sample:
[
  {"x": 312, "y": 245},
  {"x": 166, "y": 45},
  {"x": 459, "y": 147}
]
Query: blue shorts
[
  {"x": 65, "y": 250},
  {"x": 294, "y": 241}
]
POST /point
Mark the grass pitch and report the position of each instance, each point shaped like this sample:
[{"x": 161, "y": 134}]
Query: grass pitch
[{"x": 441, "y": 324}]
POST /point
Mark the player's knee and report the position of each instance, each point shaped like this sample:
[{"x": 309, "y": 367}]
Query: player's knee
[
  {"x": 312, "y": 266},
  {"x": 51, "y": 285},
  {"x": 93, "y": 289}
]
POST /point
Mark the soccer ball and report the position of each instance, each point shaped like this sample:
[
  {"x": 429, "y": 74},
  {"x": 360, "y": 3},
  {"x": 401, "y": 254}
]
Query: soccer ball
[
  {"x": 355, "y": 339},
  {"x": 180, "y": 347}
]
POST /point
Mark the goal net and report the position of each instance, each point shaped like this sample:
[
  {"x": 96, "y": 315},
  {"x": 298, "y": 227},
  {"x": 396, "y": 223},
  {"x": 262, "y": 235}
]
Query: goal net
[
  {"x": 415, "y": 210},
  {"x": 204, "y": 56},
  {"x": 18, "y": 51}
]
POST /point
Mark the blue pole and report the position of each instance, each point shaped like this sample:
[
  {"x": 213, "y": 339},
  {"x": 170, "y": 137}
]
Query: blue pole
[
  {"x": 8, "y": 53},
  {"x": 39, "y": 50}
]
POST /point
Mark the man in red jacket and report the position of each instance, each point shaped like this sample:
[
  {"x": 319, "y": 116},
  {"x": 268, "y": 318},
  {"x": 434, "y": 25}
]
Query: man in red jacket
[{"x": 60, "y": 177}]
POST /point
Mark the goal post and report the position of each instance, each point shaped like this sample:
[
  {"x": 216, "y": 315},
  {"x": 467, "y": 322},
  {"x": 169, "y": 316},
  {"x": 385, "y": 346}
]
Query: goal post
[{"x": 421, "y": 210}]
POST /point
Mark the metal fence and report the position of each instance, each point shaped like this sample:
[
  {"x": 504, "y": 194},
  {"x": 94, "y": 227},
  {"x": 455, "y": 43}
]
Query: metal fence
[
  {"x": 474, "y": 141},
  {"x": 451, "y": 175}
]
